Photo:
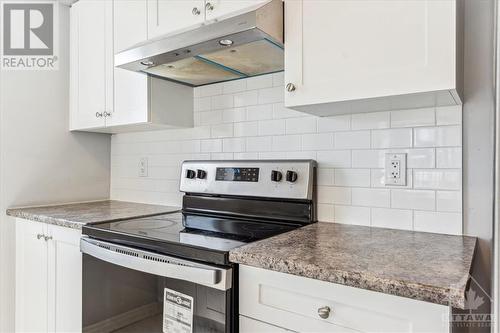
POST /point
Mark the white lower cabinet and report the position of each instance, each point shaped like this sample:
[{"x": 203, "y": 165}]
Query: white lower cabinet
[
  {"x": 48, "y": 278},
  {"x": 275, "y": 302}
]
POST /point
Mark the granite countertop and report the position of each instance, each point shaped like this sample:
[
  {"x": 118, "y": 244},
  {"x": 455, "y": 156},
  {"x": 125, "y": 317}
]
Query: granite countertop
[
  {"x": 423, "y": 266},
  {"x": 75, "y": 215}
]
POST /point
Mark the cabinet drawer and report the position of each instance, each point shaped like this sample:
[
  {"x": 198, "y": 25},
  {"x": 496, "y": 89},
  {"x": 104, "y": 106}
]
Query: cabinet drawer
[
  {"x": 249, "y": 325},
  {"x": 294, "y": 302}
]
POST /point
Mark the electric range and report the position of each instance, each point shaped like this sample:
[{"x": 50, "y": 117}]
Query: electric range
[{"x": 137, "y": 264}]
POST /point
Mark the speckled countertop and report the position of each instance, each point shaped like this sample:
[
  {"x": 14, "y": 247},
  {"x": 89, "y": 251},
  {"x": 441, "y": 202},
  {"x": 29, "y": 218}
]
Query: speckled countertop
[
  {"x": 76, "y": 215},
  {"x": 423, "y": 266}
]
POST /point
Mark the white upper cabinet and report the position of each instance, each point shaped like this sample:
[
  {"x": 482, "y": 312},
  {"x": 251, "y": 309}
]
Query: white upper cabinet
[
  {"x": 107, "y": 99},
  {"x": 168, "y": 16},
  {"x": 220, "y": 9},
  {"x": 88, "y": 49},
  {"x": 356, "y": 56}
]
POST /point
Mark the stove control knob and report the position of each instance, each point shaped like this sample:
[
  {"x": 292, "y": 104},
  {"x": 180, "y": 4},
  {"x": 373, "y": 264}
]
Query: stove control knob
[
  {"x": 191, "y": 174},
  {"x": 291, "y": 176},
  {"x": 276, "y": 176},
  {"x": 201, "y": 174}
]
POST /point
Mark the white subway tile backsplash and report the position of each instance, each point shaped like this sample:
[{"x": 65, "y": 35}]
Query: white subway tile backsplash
[
  {"x": 392, "y": 218},
  {"x": 352, "y": 140},
  {"x": 246, "y": 98},
  {"x": 352, "y": 215},
  {"x": 352, "y": 177},
  {"x": 234, "y": 86},
  {"x": 249, "y": 128},
  {"x": 271, "y": 95},
  {"x": 246, "y": 119},
  {"x": 233, "y": 145},
  {"x": 334, "y": 158},
  {"x": 449, "y": 158},
  {"x": 222, "y": 131},
  {"x": 321, "y": 141},
  {"x": 437, "y": 179},
  {"x": 326, "y": 213},
  {"x": 444, "y": 136},
  {"x": 209, "y": 146},
  {"x": 334, "y": 195},
  {"x": 392, "y": 138},
  {"x": 370, "y": 120},
  {"x": 260, "y": 112},
  {"x": 445, "y": 223},
  {"x": 286, "y": 143},
  {"x": 259, "y": 143},
  {"x": 301, "y": 125},
  {"x": 258, "y": 82},
  {"x": 371, "y": 197},
  {"x": 324, "y": 177},
  {"x": 413, "y": 199},
  {"x": 234, "y": 115},
  {"x": 449, "y": 201},
  {"x": 449, "y": 115},
  {"x": 413, "y": 118},
  {"x": 280, "y": 112},
  {"x": 333, "y": 124},
  {"x": 222, "y": 102},
  {"x": 272, "y": 127}
]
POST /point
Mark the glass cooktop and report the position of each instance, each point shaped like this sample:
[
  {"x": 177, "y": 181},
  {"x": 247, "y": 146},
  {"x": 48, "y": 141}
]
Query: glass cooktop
[{"x": 189, "y": 236}]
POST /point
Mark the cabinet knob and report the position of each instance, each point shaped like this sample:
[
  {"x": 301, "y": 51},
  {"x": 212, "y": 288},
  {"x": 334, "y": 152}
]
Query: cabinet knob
[
  {"x": 47, "y": 238},
  {"x": 196, "y": 11},
  {"x": 107, "y": 114},
  {"x": 39, "y": 236},
  {"x": 324, "y": 312},
  {"x": 290, "y": 87},
  {"x": 98, "y": 114},
  {"x": 209, "y": 7}
]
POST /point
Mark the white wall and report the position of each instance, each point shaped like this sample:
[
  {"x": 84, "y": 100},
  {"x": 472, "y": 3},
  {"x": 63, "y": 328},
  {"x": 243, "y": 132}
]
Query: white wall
[
  {"x": 41, "y": 162},
  {"x": 246, "y": 120}
]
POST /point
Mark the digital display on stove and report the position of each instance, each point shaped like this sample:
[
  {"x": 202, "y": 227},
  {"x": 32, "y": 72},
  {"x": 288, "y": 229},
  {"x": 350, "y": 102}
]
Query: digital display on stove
[{"x": 237, "y": 174}]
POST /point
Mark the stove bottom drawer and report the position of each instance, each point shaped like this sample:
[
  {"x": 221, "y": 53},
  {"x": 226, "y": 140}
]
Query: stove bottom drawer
[{"x": 307, "y": 305}]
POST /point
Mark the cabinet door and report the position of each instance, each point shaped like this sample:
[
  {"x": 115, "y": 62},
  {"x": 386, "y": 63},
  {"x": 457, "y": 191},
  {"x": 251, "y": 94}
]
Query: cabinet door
[
  {"x": 219, "y": 9},
  {"x": 130, "y": 88},
  {"x": 88, "y": 58},
  {"x": 64, "y": 279},
  {"x": 167, "y": 16},
  {"x": 351, "y": 50},
  {"x": 31, "y": 277}
]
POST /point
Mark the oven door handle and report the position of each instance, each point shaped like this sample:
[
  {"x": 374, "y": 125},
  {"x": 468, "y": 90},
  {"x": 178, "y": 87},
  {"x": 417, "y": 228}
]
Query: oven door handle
[{"x": 157, "y": 264}]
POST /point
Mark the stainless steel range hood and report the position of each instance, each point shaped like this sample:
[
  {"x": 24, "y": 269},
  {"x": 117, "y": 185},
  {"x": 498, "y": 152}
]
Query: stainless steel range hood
[{"x": 247, "y": 45}]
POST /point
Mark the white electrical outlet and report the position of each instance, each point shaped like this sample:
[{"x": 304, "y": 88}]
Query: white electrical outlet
[
  {"x": 395, "y": 169},
  {"x": 143, "y": 167}
]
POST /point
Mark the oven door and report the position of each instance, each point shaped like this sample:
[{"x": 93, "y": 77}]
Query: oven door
[{"x": 131, "y": 290}]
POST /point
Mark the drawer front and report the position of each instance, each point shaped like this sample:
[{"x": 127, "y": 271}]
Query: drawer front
[
  {"x": 249, "y": 325},
  {"x": 296, "y": 303}
]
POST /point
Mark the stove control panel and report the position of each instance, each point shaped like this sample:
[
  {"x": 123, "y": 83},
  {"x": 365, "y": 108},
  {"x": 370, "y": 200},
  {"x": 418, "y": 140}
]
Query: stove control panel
[{"x": 269, "y": 178}]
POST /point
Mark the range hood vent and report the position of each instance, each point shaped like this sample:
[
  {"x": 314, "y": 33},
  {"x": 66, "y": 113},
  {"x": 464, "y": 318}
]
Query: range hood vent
[{"x": 243, "y": 46}]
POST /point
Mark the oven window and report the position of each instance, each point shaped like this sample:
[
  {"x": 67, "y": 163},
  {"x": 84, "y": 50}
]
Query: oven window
[{"x": 118, "y": 299}]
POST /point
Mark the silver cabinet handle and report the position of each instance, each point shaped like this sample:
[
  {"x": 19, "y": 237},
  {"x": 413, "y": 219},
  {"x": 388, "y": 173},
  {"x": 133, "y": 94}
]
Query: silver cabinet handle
[
  {"x": 98, "y": 114},
  {"x": 47, "y": 238},
  {"x": 107, "y": 114},
  {"x": 196, "y": 11},
  {"x": 324, "y": 312},
  {"x": 39, "y": 236},
  {"x": 290, "y": 87},
  {"x": 209, "y": 7}
]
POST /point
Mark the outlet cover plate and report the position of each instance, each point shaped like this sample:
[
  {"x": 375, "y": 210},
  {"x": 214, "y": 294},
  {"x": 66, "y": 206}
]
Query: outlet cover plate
[
  {"x": 143, "y": 167},
  {"x": 395, "y": 169}
]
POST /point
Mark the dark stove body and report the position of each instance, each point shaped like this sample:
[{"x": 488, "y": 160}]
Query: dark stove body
[{"x": 226, "y": 204}]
